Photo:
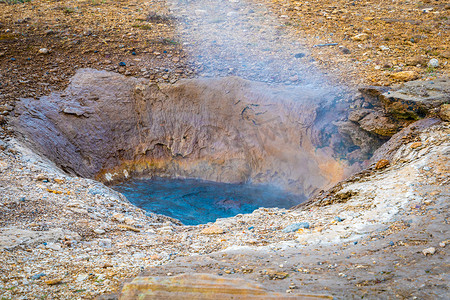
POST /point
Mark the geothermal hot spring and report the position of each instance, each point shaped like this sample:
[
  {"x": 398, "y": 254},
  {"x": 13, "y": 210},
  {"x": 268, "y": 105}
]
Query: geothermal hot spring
[
  {"x": 259, "y": 127},
  {"x": 194, "y": 201},
  {"x": 197, "y": 150}
]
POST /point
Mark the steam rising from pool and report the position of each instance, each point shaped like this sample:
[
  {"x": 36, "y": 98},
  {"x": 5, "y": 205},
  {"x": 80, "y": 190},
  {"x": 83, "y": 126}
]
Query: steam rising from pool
[
  {"x": 237, "y": 38},
  {"x": 245, "y": 39},
  {"x": 194, "y": 201}
]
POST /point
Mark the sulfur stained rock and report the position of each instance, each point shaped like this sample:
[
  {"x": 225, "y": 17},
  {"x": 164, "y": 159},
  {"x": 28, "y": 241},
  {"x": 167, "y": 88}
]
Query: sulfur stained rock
[
  {"x": 360, "y": 37},
  {"x": 387, "y": 150},
  {"x": 382, "y": 163},
  {"x": 380, "y": 124},
  {"x": 444, "y": 112},
  {"x": 415, "y": 145},
  {"x": 3, "y": 166},
  {"x": 213, "y": 229},
  {"x": 201, "y": 287},
  {"x": 54, "y": 281},
  {"x": 273, "y": 274},
  {"x": 405, "y": 75}
]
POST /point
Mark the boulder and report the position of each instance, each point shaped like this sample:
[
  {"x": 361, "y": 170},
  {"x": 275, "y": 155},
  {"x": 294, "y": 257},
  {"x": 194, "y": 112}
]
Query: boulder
[
  {"x": 416, "y": 99},
  {"x": 202, "y": 287},
  {"x": 379, "y": 123},
  {"x": 444, "y": 112},
  {"x": 388, "y": 149}
]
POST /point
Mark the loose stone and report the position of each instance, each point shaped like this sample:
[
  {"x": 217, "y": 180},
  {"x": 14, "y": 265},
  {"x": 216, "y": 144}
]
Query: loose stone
[
  {"x": 429, "y": 251},
  {"x": 44, "y": 51},
  {"x": 213, "y": 229},
  {"x": 296, "y": 226},
  {"x": 128, "y": 227},
  {"x": 405, "y": 75},
  {"x": 434, "y": 63},
  {"x": 38, "y": 276},
  {"x": 360, "y": 37},
  {"x": 382, "y": 163}
]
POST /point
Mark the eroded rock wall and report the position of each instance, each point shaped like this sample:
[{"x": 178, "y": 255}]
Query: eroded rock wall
[{"x": 110, "y": 127}]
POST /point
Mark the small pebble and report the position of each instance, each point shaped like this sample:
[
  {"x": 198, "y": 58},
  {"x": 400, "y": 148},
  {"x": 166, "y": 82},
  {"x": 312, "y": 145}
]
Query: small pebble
[
  {"x": 99, "y": 231},
  {"x": 105, "y": 243},
  {"x": 82, "y": 277},
  {"x": 429, "y": 251},
  {"x": 38, "y": 276},
  {"x": 54, "y": 281},
  {"x": 345, "y": 50},
  {"x": 434, "y": 63},
  {"x": 295, "y": 227},
  {"x": 44, "y": 51},
  {"x": 382, "y": 163}
]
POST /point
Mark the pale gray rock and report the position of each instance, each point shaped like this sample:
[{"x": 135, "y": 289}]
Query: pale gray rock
[{"x": 13, "y": 237}]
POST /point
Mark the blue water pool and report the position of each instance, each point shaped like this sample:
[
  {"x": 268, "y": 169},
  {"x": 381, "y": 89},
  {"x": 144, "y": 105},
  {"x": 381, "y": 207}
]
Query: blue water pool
[{"x": 194, "y": 201}]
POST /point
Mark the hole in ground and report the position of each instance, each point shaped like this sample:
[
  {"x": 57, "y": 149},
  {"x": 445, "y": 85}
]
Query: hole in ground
[{"x": 113, "y": 128}]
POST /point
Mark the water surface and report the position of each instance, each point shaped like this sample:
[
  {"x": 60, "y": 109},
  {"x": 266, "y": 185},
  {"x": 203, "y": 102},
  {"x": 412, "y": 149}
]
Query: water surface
[{"x": 194, "y": 201}]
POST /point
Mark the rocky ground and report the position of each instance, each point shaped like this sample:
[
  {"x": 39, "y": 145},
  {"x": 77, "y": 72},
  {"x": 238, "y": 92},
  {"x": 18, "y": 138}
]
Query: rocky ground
[
  {"x": 372, "y": 42},
  {"x": 383, "y": 233}
]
